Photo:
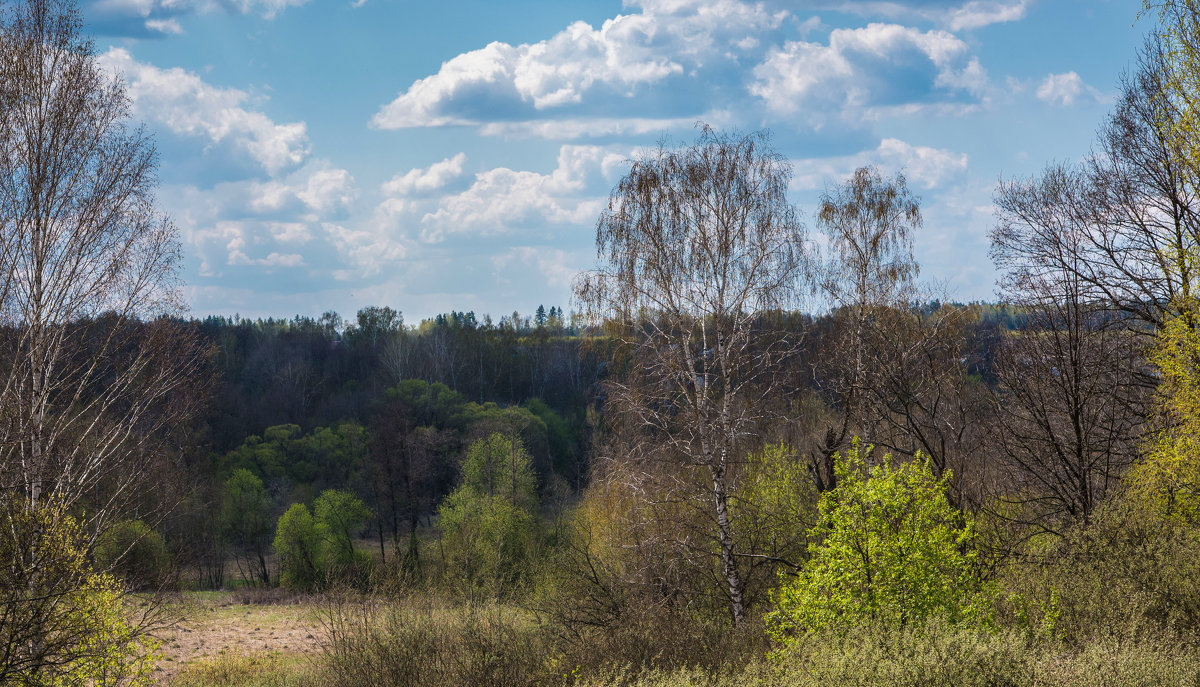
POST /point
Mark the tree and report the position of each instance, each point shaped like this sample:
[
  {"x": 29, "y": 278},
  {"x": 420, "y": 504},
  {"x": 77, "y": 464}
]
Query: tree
[
  {"x": 246, "y": 520},
  {"x": 299, "y": 545},
  {"x": 1168, "y": 476},
  {"x": 63, "y": 623},
  {"x": 868, "y": 223},
  {"x": 89, "y": 387},
  {"x": 889, "y": 548},
  {"x": 1130, "y": 207},
  {"x": 339, "y": 516},
  {"x": 698, "y": 251},
  {"x": 1071, "y": 401},
  {"x": 489, "y": 522},
  {"x": 97, "y": 371}
]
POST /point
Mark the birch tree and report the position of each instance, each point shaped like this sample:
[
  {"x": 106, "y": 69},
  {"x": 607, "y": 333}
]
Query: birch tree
[{"x": 699, "y": 252}]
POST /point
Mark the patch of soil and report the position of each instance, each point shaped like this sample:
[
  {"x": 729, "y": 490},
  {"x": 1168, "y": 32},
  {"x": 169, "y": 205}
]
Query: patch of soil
[{"x": 222, "y": 627}]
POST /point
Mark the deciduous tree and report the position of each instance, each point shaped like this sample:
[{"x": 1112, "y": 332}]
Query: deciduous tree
[{"x": 698, "y": 251}]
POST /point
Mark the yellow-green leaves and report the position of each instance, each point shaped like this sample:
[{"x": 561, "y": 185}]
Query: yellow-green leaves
[
  {"x": 891, "y": 550},
  {"x": 1169, "y": 475}
]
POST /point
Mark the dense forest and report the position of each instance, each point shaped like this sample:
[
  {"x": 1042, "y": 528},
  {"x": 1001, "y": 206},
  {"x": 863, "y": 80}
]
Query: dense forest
[{"x": 743, "y": 455}]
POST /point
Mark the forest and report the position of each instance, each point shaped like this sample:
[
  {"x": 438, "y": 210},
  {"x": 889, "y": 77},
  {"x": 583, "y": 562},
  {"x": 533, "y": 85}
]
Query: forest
[{"x": 756, "y": 448}]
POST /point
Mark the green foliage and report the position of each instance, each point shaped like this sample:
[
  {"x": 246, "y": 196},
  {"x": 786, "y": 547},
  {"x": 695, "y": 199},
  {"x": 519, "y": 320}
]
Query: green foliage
[
  {"x": 299, "y": 546},
  {"x": 1168, "y": 477},
  {"x": 489, "y": 523},
  {"x": 499, "y": 467},
  {"x": 63, "y": 623},
  {"x": 775, "y": 503},
  {"x": 559, "y": 437},
  {"x": 891, "y": 550},
  {"x": 339, "y": 515},
  {"x": 326, "y": 457},
  {"x": 245, "y": 512},
  {"x": 134, "y": 552},
  {"x": 1129, "y": 574}
]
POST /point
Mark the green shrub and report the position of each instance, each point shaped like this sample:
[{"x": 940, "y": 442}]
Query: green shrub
[
  {"x": 134, "y": 552},
  {"x": 339, "y": 516},
  {"x": 489, "y": 523},
  {"x": 300, "y": 549},
  {"x": 62, "y": 623},
  {"x": 890, "y": 549}
]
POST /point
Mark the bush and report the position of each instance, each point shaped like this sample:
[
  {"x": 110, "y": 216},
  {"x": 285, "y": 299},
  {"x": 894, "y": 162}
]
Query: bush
[
  {"x": 134, "y": 552},
  {"x": 63, "y": 623},
  {"x": 339, "y": 515},
  {"x": 489, "y": 523},
  {"x": 1128, "y": 573},
  {"x": 421, "y": 642},
  {"x": 891, "y": 550},
  {"x": 299, "y": 547}
]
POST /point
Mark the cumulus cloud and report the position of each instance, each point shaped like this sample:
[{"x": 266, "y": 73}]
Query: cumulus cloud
[
  {"x": 556, "y": 266},
  {"x": 1064, "y": 90},
  {"x": 366, "y": 251},
  {"x": 234, "y": 237},
  {"x": 187, "y": 105},
  {"x": 503, "y": 200},
  {"x": 864, "y": 70},
  {"x": 626, "y": 57},
  {"x": 925, "y": 167},
  {"x": 426, "y": 180}
]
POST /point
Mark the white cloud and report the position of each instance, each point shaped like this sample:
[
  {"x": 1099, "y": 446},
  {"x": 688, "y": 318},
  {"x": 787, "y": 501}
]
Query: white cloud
[
  {"x": 503, "y": 200},
  {"x": 185, "y": 104},
  {"x": 622, "y": 59},
  {"x": 234, "y": 237},
  {"x": 366, "y": 251},
  {"x": 979, "y": 13},
  {"x": 866, "y": 70},
  {"x": 323, "y": 187},
  {"x": 925, "y": 167},
  {"x": 428, "y": 179},
  {"x": 1066, "y": 89},
  {"x": 290, "y": 232},
  {"x": 556, "y": 266}
]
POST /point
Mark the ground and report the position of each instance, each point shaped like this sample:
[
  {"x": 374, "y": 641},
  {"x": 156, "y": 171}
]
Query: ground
[{"x": 223, "y": 624}]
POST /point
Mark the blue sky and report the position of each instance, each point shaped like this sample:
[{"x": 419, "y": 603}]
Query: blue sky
[{"x": 332, "y": 154}]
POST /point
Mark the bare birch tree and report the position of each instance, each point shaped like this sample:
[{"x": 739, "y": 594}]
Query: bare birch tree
[
  {"x": 95, "y": 374},
  {"x": 699, "y": 251},
  {"x": 868, "y": 222}
]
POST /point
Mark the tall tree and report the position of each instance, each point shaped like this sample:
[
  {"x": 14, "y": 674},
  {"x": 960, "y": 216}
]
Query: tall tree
[
  {"x": 93, "y": 376},
  {"x": 699, "y": 249},
  {"x": 868, "y": 223}
]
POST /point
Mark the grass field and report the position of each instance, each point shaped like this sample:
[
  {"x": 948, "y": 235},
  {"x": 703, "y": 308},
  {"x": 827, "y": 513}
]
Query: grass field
[{"x": 260, "y": 634}]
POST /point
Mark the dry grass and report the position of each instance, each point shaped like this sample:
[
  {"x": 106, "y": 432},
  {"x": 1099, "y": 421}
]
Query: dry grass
[{"x": 219, "y": 625}]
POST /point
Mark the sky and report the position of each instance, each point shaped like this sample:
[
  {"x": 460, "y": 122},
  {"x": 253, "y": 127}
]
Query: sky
[{"x": 323, "y": 155}]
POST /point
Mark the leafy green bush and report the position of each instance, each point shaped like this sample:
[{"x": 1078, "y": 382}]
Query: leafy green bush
[
  {"x": 890, "y": 549},
  {"x": 62, "y": 622},
  {"x": 134, "y": 552},
  {"x": 489, "y": 523},
  {"x": 299, "y": 546},
  {"x": 340, "y": 515}
]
